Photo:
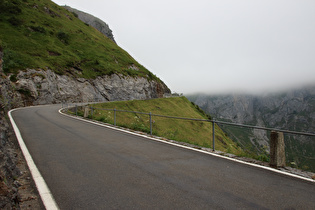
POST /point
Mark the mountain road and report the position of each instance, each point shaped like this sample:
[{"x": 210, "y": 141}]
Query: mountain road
[{"x": 89, "y": 166}]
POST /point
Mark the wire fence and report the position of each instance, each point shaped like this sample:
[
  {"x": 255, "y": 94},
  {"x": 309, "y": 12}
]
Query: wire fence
[
  {"x": 92, "y": 110},
  {"x": 74, "y": 107}
]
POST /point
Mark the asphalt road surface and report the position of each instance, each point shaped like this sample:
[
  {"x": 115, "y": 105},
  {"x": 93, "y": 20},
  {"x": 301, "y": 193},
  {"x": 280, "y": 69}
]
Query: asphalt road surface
[{"x": 87, "y": 166}]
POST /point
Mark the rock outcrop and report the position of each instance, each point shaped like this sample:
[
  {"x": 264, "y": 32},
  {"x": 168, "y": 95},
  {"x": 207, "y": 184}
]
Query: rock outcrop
[
  {"x": 17, "y": 189},
  {"x": 46, "y": 87},
  {"x": 8, "y": 170},
  {"x": 93, "y": 21}
]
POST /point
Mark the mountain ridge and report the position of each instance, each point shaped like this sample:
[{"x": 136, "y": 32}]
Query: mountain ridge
[
  {"x": 293, "y": 110},
  {"x": 97, "y": 23}
]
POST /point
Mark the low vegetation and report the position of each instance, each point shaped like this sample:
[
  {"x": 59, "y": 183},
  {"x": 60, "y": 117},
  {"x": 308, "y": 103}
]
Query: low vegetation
[{"x": 193, "y": 132}]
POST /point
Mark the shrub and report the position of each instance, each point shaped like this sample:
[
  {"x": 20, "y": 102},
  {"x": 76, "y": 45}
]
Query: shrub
[
  {"x": 201, "y": 111},
  {"x": 101, "y": 118},
  {"x": 12, "y": 60},
  {"x": 25, "y": 92},
  {"x": 15, "y": 21},
  {"x": 13, "y": 78},
  {"x": 7, "y": 7},
  {"x": 38, "y": 29},
  {"x": 151, "y": 76},
  {"x": 75, "y": 14},
  {"x": 263, "y": 158},
  {"x": 63, "y": 37}
]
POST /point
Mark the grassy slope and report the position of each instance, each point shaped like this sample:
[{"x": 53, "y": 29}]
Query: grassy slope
[
  {"x": 40, "y": 34},
  {"x": 198, "y": 133}
]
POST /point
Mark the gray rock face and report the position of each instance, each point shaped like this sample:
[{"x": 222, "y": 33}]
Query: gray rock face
[
  {"x": 93, "y": 21},
  {"x": 293, "y": 110},
  {"x": 8, "y": 192},
  {"x": 286, "y": 111},
  {"x": 45, "y": 87}
]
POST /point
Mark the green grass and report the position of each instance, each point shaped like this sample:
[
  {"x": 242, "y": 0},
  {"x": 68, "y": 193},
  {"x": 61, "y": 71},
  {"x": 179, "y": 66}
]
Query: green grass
[
  {"x": 41, "y": 34},
  {"x": 300, "y": 152},
  {"x": 193, "y": 132}
]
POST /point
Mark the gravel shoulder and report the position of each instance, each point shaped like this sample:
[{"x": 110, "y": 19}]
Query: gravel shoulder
[{"x": 17, "y": 188}]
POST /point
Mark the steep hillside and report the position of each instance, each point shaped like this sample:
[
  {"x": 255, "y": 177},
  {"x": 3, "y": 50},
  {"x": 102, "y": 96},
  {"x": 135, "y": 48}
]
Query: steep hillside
[
  {"x": 193, "y": 132},
  {"x": 40, "y": 34},
  {"x": 292, "y": 110},
  {"x": 93, "y": 21},
  {"x": 49, "y": 55}
]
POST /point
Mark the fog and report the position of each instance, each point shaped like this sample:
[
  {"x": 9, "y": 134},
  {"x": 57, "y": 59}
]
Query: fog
[{"x": 221, "y": 46}]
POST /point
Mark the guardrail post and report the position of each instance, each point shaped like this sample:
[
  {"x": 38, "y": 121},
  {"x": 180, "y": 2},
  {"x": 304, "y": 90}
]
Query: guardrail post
[
  {"x": 86, "y": 111},
  {"x": 150, "y": 114},
  {"x": 115, "y": 117},
  {"x": 213, "y": 135},
  {"x": 92, "y": 110},
  {"x": 277, "y": 151},
  {"x": 76, "y": 110}
]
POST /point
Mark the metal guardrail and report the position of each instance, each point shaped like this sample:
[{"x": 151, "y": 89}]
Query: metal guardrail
[
  {"x": 193, "y": 119},
  {"x": 268, "y": 129},
  {"x": 8, "y": 104}
]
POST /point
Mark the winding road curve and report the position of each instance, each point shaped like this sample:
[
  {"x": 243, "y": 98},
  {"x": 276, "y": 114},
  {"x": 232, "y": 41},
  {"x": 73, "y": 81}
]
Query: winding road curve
[{"x": 87, "y": 166}]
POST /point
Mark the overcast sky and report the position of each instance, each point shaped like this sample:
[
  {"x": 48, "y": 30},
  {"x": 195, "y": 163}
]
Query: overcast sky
[{"x": 215, "y": 46}]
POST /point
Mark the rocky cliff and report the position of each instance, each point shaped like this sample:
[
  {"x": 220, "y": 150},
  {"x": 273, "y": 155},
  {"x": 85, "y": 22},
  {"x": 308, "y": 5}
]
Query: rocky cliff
[
  {"x": 93, "y": 21},
  {"x": 17, "y": 190},
  {"x": 292, "y": 110},
  {"x": 46, "y": 87}
]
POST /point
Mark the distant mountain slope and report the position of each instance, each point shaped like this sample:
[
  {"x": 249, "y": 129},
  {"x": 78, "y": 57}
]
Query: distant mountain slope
[
  {"x": 292, "y": 110},
  {"x": 93, "y": 21}
]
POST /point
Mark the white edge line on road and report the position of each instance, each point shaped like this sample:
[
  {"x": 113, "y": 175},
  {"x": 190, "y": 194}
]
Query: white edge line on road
[
  {"x": 44, "y": 192},
  {"x": 190, "y": 148}
]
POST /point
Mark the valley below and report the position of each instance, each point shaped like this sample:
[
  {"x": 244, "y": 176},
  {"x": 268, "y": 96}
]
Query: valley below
[{"x": 292, "y": 110}]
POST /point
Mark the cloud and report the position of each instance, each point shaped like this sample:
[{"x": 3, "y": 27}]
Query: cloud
[{"x": 216, "y": 46}]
